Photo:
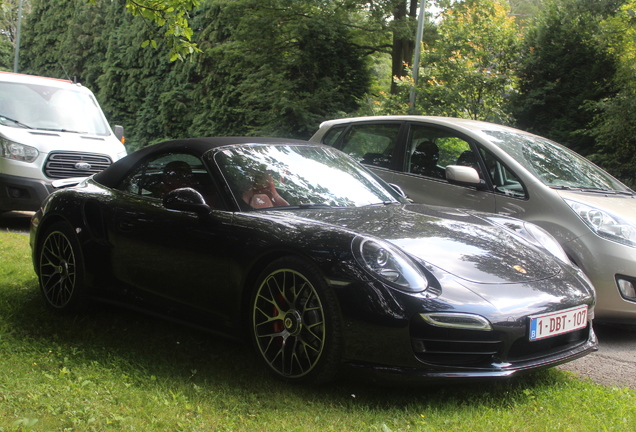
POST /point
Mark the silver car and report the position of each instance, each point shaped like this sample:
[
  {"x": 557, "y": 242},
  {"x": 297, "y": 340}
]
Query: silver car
[{"x": 484, "y": 166}]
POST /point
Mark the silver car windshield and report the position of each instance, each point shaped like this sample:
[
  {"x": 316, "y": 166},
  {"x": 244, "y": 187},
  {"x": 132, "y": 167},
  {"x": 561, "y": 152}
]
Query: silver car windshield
[
  {"x": 287, "y": 176},
  {"x": 553, "y": 164},
  {"x": 50, "y": 108}
]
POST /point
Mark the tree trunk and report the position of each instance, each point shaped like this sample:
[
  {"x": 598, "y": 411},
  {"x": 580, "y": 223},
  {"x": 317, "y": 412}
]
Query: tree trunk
[{"x": 404, "y": 14}]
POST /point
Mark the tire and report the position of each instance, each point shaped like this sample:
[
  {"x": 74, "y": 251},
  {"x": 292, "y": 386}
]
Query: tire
[
  {"x": 295, "y": 323},
  {"x": 61, "y": 269}
]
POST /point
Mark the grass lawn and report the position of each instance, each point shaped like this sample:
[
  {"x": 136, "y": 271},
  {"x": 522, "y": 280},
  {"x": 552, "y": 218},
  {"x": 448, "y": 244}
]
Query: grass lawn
[{"x": 113, "y": 370}]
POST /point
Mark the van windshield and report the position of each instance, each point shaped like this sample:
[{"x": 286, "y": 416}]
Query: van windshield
[
  {"x": 50, "y": 108},
  {"x": 553, "y": 164}
]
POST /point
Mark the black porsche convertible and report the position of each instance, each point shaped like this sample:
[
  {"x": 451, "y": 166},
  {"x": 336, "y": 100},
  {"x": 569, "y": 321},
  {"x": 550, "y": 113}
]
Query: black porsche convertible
[{"x": 297, "y": 247}]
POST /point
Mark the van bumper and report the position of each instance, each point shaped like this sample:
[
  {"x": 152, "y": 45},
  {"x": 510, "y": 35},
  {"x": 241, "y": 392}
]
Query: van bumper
[{"x": 23, "y": 194}]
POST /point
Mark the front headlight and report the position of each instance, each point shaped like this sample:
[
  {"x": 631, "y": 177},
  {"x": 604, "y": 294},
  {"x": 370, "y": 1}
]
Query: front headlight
[
  {"x": 15, "y": 151},
  {"x": 605, "y": 224},
  {"x": 533, "y": 234},
  {"x": 389, "y": 264}
]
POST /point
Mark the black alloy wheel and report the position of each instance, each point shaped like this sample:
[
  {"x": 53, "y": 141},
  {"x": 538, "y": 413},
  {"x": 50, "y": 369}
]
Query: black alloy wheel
[
  {"x": 295, "y": 322},
  {"x": 60, "y": 269}
]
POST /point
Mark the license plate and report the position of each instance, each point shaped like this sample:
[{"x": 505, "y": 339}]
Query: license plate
[{"x": 556, "y": 323}]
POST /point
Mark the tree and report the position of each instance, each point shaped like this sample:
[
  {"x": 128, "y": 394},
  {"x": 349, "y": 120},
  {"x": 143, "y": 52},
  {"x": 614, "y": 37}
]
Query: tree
[
  {"x": 8, "y": 30},
  {"x": 266, "y": 67},
  {"x": 525, "y": 10},
  {"x": 171, "y": 15},
  {"x": 404, "y": 14},
  {"x": 566, "y": 65},
  {"x": 614, "y": 127},
  {"x": 275, "y": 67},
  {"x": 64, "y": 39},
  {"x": 468, "y": 67}
]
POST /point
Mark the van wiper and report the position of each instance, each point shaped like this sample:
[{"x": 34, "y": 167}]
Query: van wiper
[
  {"x": 14, "y": 121},
  {"x": 60, "y": 130}
]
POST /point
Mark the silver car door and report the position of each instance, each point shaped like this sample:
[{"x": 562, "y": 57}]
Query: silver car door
[{"x": 429, "y": 150}]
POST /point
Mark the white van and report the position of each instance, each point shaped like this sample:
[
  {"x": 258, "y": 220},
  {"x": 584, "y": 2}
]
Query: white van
[{"x": 50, "y": 131}]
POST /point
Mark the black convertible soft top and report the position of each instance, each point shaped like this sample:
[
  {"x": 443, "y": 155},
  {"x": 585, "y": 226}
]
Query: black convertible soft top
[{"x": 112, "y": 175}]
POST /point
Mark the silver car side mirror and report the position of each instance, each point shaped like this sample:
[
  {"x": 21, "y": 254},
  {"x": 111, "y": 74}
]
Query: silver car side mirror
[{"x": 464, "y": 176}]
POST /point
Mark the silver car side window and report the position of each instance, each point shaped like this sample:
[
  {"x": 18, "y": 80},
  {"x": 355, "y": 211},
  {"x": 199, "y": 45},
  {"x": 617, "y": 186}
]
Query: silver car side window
[
  {"x": 430, "y": 150},
  {"x": 332, "y": 135},
  {"x": 504, "y": 181},
  {"x": 372, "y": 144}
]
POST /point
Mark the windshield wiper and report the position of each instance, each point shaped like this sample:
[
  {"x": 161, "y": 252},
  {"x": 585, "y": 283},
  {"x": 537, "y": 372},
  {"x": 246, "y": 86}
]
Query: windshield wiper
[
  {"x": 60, "y": 130},
  {"x": 298, "y": 207},
  {"x": 384, "y": 203},
  {"x": 608, "y": 191},
  {"x": 14, "y": 121},
  {"x": 593, "y": 190}
]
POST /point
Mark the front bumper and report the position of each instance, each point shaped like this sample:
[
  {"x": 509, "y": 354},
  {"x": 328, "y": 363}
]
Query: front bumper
[
  {"x": 22, "y": 194},
  {"x": 405, "y": 376},
  {"x": 602, "y": 261}
]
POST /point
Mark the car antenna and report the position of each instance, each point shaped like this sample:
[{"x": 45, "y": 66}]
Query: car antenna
[{"x": 74, "y": 80}]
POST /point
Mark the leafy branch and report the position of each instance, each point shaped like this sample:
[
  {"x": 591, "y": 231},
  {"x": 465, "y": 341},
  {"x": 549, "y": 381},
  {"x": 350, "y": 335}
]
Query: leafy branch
[{"x": 172, "y": 15}]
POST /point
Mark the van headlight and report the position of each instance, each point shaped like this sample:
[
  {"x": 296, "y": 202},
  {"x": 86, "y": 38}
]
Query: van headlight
[
  {"x": 13, "y": 150},
  {"x": 389, "y": 264},
  {"x": 605, "y": 224}
]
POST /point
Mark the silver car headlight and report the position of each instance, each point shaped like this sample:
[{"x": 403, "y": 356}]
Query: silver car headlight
[
  {"x": 389, "y": 264},
  {"x": 605, "y": 224},
  {"x": 15, "y": 151}
]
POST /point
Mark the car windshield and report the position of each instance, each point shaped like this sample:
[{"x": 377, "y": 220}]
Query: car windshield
[
  {"x": 553, "y": 164},
  {"x": 50, "y": 108},
  {"x": 286, "y": 176}
]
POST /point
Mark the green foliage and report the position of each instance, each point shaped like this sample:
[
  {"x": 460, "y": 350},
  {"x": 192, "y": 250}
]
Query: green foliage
[
  {"x": 8, "y": 30},
  {"x": 614, "y": 127},
  {"x": 39, "y": 39},
  {"x": 6, "y": 54},
  {"x": 172, "y": 15},
  {"x": 468, "y": 68},
  {"x": 566, "y": 65},
  {"x": 281, "y": 69},
  {"x": 265, "y": 67},
  {"x": 525, "y": 10}
]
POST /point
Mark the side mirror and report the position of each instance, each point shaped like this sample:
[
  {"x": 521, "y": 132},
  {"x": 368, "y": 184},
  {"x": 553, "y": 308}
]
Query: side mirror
[
  {"x": 186, "y": 199},
  {"x": 119, "y": 133},
  {"x": 464, "y": 176},
  {"x": 400, "y": 192}
]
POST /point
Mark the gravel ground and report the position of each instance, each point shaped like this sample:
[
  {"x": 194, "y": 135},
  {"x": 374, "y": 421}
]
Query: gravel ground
[{"x": 614, "y": 364}]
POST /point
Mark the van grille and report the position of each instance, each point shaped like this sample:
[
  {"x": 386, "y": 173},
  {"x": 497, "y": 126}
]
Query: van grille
[{"x": 61, "y": 165}]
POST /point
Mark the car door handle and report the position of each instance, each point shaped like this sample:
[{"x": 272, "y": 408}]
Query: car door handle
[{"x": 126, "y": 224}]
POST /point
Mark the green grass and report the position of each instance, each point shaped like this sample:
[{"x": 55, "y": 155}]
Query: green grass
[{"x": 112, "y": 370}]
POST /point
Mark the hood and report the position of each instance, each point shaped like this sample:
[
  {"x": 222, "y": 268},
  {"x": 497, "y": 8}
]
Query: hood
[
  {"x": 455, "y": 241},
  {"x": 622, "y": 205},
  {"x": 48, "y": 141}
]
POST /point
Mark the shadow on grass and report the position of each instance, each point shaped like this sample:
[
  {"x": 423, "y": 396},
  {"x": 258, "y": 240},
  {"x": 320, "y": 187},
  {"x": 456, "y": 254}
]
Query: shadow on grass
[{"x": 148, "y": 350}]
